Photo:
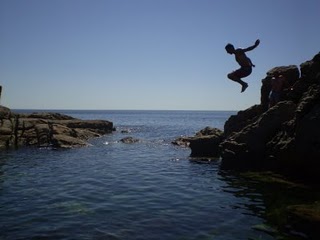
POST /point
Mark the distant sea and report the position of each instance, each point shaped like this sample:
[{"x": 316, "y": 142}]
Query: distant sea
[{"x": 141, "y": 191}]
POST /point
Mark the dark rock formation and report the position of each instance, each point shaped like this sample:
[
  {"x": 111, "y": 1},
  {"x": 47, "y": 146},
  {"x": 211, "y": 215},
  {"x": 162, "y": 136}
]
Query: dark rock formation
[
  {"x": 205, "y": 143},
  {"x": 291, "y": 73},
  {"x": 286, "y": 137},
  {"x": 244, "y": 118},
  {"x": 48, "y": 130},
  {"x": 249, "y": 144}
]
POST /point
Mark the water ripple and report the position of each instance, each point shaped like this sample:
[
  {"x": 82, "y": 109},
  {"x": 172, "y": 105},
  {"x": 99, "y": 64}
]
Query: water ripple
[{"x": 149, "y": 190}]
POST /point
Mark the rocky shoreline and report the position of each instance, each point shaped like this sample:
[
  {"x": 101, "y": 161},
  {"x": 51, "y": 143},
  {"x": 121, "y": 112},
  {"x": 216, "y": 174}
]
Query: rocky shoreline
[
  {"x": 48, "y": 130},
  {"x": 284, "y": 138},
  {"x": 262, "y": 142}
]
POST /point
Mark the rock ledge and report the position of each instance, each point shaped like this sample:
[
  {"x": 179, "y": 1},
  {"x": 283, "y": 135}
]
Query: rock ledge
[{"x": 51, "y": 130}]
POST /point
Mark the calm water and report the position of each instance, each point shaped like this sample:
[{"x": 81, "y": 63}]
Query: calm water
[{"x": 110, "y": 190}]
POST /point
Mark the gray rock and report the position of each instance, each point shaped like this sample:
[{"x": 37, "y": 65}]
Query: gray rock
[
  {"x": 205, "y": 143},
  {"x": 129, "y": 140},
  {"x": 48, "y": 130}
]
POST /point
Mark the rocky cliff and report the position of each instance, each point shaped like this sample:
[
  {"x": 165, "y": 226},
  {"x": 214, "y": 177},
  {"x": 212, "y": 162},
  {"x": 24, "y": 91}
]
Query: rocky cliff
[
  {"x": 52, "y": 130},
  {"x": 284, "y": 138}
]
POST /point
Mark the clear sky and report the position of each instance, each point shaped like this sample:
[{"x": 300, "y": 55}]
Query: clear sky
[{"x": 146, "y": 54}]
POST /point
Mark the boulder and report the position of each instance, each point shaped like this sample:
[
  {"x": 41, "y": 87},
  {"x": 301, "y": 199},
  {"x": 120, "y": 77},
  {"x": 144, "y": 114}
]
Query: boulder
[
  {"x": 291, "y": 73},
  {"x": 98, "y": 126},
  {"x": 206, "y": 146},
  {"x": 129, "y": 140},
  {"x": 182, "y": 141},
  {"x": 5, "y": 113},
  {"x": 310, "y": 69},
  {"x": 65, "y": 141},
  {"x": 205, "y": 143}
]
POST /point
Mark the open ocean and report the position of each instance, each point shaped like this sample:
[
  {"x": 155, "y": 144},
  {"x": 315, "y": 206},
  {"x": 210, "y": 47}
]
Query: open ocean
[{"x": 141, "y": 191}]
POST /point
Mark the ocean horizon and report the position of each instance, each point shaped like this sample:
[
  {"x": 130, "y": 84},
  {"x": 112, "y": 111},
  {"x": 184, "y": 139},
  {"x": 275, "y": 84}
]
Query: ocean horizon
[{"x": 142, "y": 110}]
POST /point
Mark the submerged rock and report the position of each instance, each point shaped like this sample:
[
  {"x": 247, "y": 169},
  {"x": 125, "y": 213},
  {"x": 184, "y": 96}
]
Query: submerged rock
[
  {"x": 182, "y": 141},
  {"x": 265, "y": 228},
  {"x": 129, "y": 140},
  {"x": 305, "y": 217}
]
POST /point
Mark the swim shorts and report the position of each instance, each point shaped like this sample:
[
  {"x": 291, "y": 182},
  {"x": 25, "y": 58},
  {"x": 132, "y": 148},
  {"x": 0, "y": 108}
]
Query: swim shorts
[{"x": 243, "y": 72}]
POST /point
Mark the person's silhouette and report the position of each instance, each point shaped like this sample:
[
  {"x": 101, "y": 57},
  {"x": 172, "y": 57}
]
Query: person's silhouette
[{"x": 245, "y": 63}]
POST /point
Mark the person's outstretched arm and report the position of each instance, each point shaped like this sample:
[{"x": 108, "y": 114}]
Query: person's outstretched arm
[{"x": 252, "y": 47}]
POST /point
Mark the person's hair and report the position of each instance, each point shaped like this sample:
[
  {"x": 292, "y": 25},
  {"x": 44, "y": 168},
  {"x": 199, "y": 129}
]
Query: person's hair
[{"x": 229, "y": 46}]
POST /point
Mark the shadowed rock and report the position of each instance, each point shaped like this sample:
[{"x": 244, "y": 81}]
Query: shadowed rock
[
  {"x": 205, "y": 143},
  {"x": 284, "y": 138}
]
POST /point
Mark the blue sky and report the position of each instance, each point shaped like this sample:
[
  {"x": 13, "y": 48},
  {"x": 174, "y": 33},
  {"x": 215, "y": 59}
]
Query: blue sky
[{"x": 146, "y": 54}]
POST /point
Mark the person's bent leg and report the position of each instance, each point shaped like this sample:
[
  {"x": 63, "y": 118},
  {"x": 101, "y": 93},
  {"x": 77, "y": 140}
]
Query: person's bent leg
[{"x": 233, "y": 76}]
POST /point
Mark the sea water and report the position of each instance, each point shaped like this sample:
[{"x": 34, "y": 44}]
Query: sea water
[{"x": 150, "y": 189}]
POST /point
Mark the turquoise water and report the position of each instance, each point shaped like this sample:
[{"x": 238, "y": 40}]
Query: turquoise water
[{"x": 111, "y": 190}]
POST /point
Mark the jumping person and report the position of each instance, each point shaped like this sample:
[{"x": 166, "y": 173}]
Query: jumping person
[{"x": 244, "y": 62}]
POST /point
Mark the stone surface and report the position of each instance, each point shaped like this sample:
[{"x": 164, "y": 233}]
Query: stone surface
[
  {"x": 182, "y": 141},
  {"x": 243, "y": 118},
  {"x": 291, "y": 73},
  {"x": 52, "y": 130},
  {"x": 205, "y": 143},
  {"x": 284, "y": 138},
  {"x": 247, "y": 147},
  {"x": 129, "y": 140}
]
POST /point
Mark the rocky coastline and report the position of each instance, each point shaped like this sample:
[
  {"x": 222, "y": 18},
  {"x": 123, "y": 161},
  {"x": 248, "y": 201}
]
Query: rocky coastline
[
  {"x": 277, "y": 146},
  {"x": 284, "y": 138},
  {"x": 48, "y": 130}
]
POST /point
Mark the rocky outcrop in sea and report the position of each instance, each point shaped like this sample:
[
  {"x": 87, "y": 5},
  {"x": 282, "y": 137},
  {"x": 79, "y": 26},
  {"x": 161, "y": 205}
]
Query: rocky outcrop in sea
[
  {"x": 285, "y": 137},
  {"x": 52, "y": 130},
  {"x": 282, "y": 141}
]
